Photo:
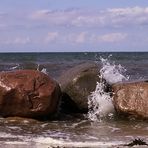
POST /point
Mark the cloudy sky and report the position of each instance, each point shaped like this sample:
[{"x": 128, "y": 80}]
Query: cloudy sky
[{"x": 73, "y": 25}]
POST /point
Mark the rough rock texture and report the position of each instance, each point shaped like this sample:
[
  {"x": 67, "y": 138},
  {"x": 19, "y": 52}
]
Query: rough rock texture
[
  {"x": 79, "y": 82},
  {"x": 131, "y": 99},
  {"x": 28, "y": 93}
]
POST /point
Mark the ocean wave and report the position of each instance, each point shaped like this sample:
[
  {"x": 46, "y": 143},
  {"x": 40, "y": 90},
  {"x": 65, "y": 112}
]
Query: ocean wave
[{"x": 100, "y": 102}]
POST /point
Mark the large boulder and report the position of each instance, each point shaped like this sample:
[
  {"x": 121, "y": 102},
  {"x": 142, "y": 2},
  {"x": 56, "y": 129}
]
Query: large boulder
[
  {"x": 131, "y": 99},
  {"x": 28, "y": 93},
  {"x": 78, "y": 83}
]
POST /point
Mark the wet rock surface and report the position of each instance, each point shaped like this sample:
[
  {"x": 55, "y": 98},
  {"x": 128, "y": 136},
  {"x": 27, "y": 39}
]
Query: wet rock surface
[
  {"x": 78, "y": 83},
  {"x": 131, "y": 99},
  {"x": 28, "y": 93}
]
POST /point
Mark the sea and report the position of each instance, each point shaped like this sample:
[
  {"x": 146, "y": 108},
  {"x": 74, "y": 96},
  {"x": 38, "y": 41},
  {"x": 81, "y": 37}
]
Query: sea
[{"x": 88, "y": 130}]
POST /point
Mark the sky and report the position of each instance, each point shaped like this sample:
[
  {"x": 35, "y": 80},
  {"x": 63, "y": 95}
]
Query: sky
[{"x": 73, "y": 25}]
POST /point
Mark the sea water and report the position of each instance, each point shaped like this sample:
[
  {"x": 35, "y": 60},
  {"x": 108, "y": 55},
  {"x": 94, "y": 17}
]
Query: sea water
[
  {"x": 99, "y": 128},
  {"x": 100, "y": 102}
]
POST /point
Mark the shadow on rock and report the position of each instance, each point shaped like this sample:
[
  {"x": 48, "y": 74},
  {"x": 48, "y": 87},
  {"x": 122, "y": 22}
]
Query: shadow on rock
[
  {"x": 78, "y": 82},
  {"x": 68, "y": 106}
]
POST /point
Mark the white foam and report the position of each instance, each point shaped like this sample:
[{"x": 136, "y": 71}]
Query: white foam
[
  {"x": 15, "y": 67},
  {"x": 14, "y": 127},
  {"x": 62, "y": 143},
  {"x": 44, "y": 70},
  {"x": 6, "y": 135},
  {"x": 100, "y": 102},
  {"x": 16, "y": 142},
  {"x": 112, "y": 72},
  {"x": 45, "y": 142}
]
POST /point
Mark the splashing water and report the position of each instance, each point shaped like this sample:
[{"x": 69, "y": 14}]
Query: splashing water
[
  {"x": 43, "y": 70},
  {"x": 111, "y": 72},
  {"x": 15, "y": 67},
  {"x": 100, "y": 102}
]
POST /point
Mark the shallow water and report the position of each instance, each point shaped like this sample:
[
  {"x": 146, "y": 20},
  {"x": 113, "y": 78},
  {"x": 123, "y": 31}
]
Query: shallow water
[{"x": 17, "y": 132}]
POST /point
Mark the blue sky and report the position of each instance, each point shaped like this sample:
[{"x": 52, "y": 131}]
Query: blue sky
[{"x": 73, "y": 25}]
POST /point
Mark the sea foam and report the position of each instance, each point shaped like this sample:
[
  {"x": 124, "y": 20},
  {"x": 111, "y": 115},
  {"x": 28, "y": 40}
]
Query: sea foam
[
  {"x": 42, "y": 141},
  {"x": 100, "y": 102},
  {"x": 112, "y": 72},
  {"x": 43, "y": 70}
]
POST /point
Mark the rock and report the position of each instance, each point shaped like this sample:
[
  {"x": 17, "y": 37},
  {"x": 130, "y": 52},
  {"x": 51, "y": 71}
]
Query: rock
[
  {"x": 79, "y": 82},
  {"x": 131, "y": 99},
  {"x": 68, "y": 106},
  {"x": 28, "y": 93},
  {"x": 20, "y": 121}
]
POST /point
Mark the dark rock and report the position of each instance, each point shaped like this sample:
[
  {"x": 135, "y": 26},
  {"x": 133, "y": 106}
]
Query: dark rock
[
  {"x": 137, "y": 142},
  {"x": 79, "y": 82},
  {"x": 28, "y": 93},
  {"x": 68, "y": 106},
  {"x": 131, "y": 99}
]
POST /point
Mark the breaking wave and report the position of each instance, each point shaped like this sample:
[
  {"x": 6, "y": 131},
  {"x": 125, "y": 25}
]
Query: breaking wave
[
  {"x": 100, "y": 102},
  {"x": 112, "y": 72}
]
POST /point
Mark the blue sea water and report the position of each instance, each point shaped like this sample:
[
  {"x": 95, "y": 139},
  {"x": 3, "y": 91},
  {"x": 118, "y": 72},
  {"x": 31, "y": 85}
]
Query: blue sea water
[
  {"x": 136, "y": 63},
  {"x": 75, "y": 132}
]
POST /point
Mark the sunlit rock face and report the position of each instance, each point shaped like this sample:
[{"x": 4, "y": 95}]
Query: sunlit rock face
[
  {"x": 28, "y": 93},
  {"x": 131, "y": 98}
]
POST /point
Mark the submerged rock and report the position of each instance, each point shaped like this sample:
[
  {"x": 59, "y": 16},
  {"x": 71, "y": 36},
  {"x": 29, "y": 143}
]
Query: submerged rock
[
  {"x": 131, "y": 99},
  {"x": 79, "y": 82},
  {"x": 28, "y": 93}
]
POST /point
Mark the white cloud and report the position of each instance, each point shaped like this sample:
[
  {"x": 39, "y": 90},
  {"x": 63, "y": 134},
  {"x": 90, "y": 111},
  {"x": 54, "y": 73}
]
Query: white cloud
[
  {"x": 115, "y": 17},
  {"x": 84, "y": 37},
  {"x": 55, "y": 17},
  {"x": 40, "y": 14},
  {"x": 20, "y": 40},
  {"x": 112, "y": 37},
  {"x": 79, "y": 37},
  {"x": 72, "y": 38},
  {"x": 127, "y": 16},
  {"x": 52, "y": 36},
  {"x": 15, "y": 41},
  {"x": 130, "y": 11}
]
